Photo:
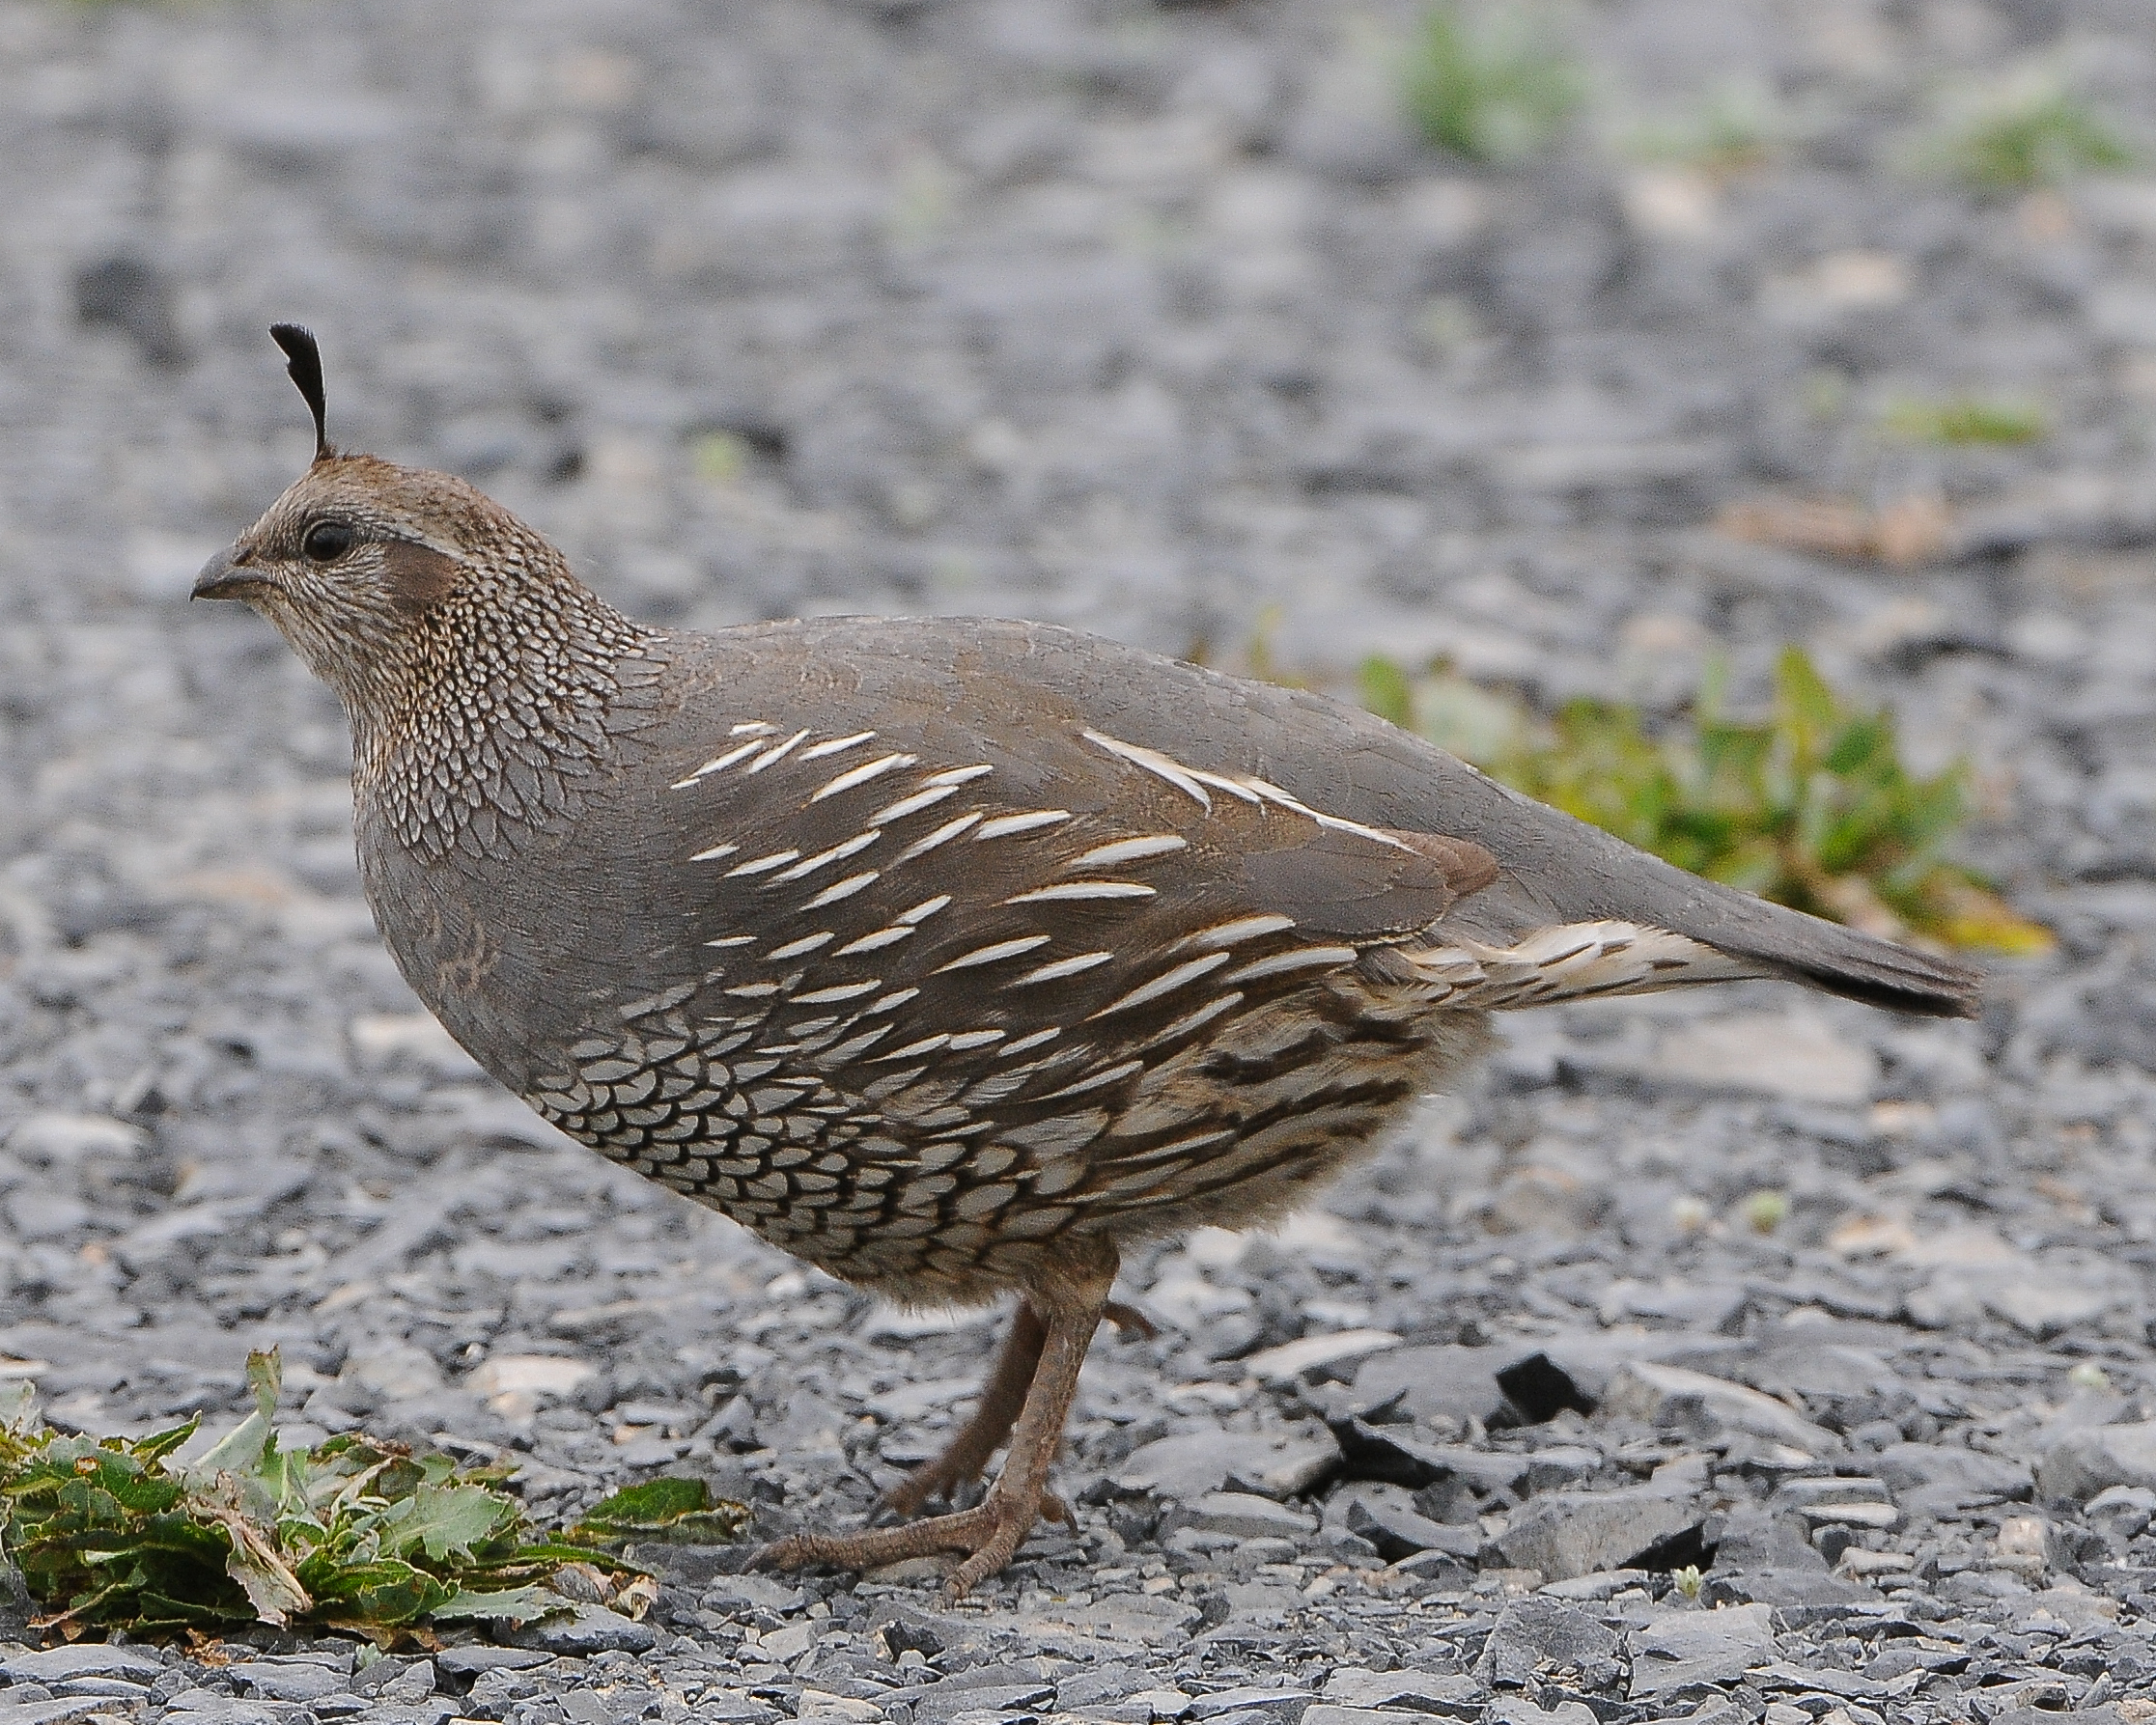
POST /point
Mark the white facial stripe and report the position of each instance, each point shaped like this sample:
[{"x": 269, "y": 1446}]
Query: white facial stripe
[
  {"x": 1165, "y": 983},
  {"x": 863, "y": 773},
  {"x": 1123, "y": 850}
]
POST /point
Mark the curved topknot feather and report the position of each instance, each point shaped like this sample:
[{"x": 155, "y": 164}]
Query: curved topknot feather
[{"x": 305, "y": 357}]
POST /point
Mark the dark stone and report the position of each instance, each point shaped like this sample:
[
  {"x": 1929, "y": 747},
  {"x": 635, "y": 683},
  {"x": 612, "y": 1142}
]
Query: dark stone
[
  {"x": 1393, "y": 1454},
  {"x": 1388, "y": 1518},
  {"x": 1537, "y": 1638},
  {"x": 585, "y": 1631},
  {"x": 1541, "y": 1389},
  {"x": 1443, "y": 1382},
  {"x": 1579, "y": 1533}
]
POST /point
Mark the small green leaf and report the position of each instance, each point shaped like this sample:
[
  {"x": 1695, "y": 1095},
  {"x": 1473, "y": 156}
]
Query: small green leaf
[
  {"x": 445, "y": 1521},
  {"x": 510, "y": 1604}
]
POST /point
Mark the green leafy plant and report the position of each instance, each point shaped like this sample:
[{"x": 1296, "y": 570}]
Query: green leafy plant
[
  {"x": 2034, "y": 134},
  {"x": 352, "y": 1534},
  {"x": 1488, "y": 85},
  {"x": 1811, "y": 806},
  {"x": 1966, "y": 420}
]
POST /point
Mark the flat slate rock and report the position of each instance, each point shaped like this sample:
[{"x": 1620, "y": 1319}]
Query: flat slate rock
[{"x": 588, "y": 1630}]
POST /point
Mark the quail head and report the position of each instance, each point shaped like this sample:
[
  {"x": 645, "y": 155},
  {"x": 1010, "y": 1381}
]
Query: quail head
[{"x": 952, "y": 956}]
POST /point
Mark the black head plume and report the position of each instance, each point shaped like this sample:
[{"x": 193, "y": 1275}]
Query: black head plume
[{"x": 306, "y": 372}]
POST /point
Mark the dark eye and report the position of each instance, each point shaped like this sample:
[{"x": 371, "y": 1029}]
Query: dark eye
[{"x": 328, "y": 541}]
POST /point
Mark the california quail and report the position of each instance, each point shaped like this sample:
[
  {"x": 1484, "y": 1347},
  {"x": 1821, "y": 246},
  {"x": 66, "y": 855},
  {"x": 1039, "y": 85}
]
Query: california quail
[{"x": 952, "y": 956}]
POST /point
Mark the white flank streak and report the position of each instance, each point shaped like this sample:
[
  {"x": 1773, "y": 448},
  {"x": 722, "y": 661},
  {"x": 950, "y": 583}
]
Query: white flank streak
[
  {"x": 715, "y": 853},
  {"x": 1274, "y": 794},
  {"x": 1165, "y": 983},
  {"x": 1250, "y": 928},
  {"x": 1061, "y": 969},
  {"x": 793, "y": 948},
  {"x": 754, "y": 728},
  {"x": 926, "y": 1045},
  {"x": 844, "y": 889},
  {"x": 733, "y": 940},
  {"x": 869, "y": 943},
  {"x": 1004, "y": 825},
  {"x": 1233, "y": 786},
  {"x": 861, "y": 775},
  {"x": 911, "y": 805},
  {"x": 1123, "y": 850},
  {"x": 943, "y": 835},
  {"x": 843, "y": 991},
  {"x": 778, "y": 751},
  {"x": 1205, "y": 1014},
  {"x": 1002, "y": 949},
  {"x": 1301, "y": 959},
  {"x": 1083, "y": 889},
  {"x": 958, "y": 775},
  {"x": 926, "y": 909},
  {"x": 860, "y": 841},
  {"x": 777, "y": 859},
  {"x": 891, "y": 1002},
  {"x": 1095, "y": 1082},
  {"x": 977, "y": 1038},
  {"x": 1034, "y": 1041},
  {"x": 838, "y": 745},
  {"x": 754, "y": 991},
  {"x": 719, "y": 765},
  {"x": 1155, "y": 763}
]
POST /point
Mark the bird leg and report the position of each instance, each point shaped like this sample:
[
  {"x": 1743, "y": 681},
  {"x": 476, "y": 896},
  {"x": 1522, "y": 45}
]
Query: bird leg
[
  {"x": 987, "y": 1536},
  {"x": 1003, "y": 1396}
]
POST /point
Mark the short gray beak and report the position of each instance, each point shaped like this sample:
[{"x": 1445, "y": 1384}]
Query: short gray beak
[{"x": 222, "y": 577}]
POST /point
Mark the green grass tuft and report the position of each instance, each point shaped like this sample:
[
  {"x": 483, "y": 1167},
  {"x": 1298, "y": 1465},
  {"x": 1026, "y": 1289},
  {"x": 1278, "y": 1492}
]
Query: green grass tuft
[
  {"x": 352, "y": 1534},
  {"x": 1811, "y": 806},
  {"x": 2036, "y": 135},
  {"x": 1963, "y": 421},
  {"x": 1490, "y": 86}
]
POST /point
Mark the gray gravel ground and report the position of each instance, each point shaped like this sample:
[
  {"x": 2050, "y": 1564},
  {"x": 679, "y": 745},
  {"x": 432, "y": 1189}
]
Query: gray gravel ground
[{"x": 1154, "y": 321}]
